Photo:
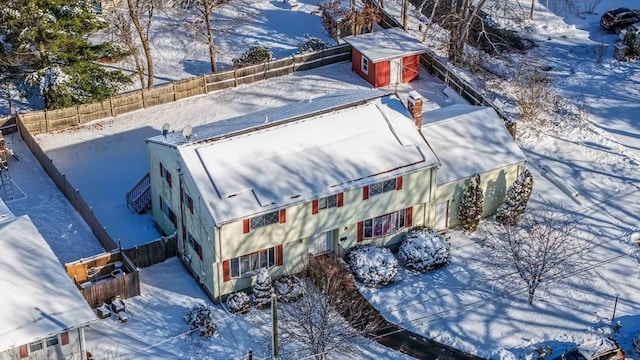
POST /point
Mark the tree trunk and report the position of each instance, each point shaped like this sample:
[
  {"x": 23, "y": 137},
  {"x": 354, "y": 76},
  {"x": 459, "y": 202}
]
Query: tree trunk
[
  {"x": 212, "y": 50},
  {"x": 533, "y": 3},
  {"x": 144, "y": 39}
]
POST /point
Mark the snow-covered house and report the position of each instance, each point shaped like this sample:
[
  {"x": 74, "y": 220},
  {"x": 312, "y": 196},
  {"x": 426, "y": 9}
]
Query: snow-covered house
[
  {"x": 386, "y": 57},
  {"x": 470, "y": 140},
  {"x": 268, "y": 188},
  {"x": 42, "y": 313}
]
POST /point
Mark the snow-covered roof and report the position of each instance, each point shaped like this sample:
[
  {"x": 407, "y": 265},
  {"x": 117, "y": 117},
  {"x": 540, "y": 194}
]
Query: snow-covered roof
[
  {"x": 468, "y": 140},
  {"x": 37, "y": 299},
  {"x": 386, "y": 44},
  {"x": 5, "y": 213},
  {"x": 296, "y": 161}
]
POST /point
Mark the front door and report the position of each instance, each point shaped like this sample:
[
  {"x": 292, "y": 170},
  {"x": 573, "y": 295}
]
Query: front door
[
  {"x": 395, "y": 71},
  {"x": 321, "y": 243}
]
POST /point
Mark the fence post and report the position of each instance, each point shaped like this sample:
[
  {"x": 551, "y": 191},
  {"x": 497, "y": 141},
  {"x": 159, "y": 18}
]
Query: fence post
[{"x": 235, "y": 78}]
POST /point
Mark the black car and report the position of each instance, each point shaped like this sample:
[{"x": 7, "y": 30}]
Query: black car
[{"x": 618, "y": 19}]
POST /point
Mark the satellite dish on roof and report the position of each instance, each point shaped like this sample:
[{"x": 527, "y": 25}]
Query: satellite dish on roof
[
  {"x": 165, "y": 129},
  {"x": 187, "y": 131}
]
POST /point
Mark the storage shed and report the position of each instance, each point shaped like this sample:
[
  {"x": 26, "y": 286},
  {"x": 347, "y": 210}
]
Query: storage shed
[{"x": 386, "y": 57}]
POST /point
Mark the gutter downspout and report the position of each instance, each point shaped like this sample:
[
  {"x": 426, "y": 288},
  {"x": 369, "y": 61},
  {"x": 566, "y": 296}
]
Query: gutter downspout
[
  {"x": 219, "y": 269},
  {"x": 83, "y": 352}
]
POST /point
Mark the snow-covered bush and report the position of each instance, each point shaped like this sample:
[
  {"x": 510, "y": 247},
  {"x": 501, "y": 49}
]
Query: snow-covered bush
[
  {"x": 515, "y": 202},
  {"x": 201, "y": 317},
  {"x": 424, "y": 249},
  {"x": 255, "y": 55},
  {"x": 261, "y": 296},
  {"x": 311, "y": 44},
  {"x": 289, "y": 288},
  {"x": 373, "y": 266},
  {"x": 239, "y": 303}
]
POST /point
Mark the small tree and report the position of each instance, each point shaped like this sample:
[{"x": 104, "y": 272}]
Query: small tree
[
  {"x": 632, "y": 43},
  {"x": 544, "y": 246},
  {"x": 470, "y": 208},
  {"x": 329, "y": 319},
  {"x": 515, "y": 202},
  {"x": 261, "y": 296},
  {"x": 532, "y": 91}
]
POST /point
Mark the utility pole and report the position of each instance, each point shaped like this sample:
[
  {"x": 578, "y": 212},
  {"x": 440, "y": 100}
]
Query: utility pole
[{"x": 274, "y": 316}]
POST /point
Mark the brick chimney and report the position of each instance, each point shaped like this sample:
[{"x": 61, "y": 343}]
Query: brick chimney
[{"x": 414, "y": 105}]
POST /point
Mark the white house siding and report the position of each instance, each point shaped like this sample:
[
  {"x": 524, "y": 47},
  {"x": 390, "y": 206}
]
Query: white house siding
[
  {"x": 72, "y": 350},
  {"x": 199, "y": 223},
  {"x": 494, "y": 185},
  {"x": 301, "y": 223}
]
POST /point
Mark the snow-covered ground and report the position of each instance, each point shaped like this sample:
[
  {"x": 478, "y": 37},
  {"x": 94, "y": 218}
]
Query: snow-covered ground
[{"x": 594, "y": 160}]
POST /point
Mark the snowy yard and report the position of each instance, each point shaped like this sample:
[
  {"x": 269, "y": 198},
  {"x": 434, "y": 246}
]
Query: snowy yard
[{"x": 591, "y": 169}]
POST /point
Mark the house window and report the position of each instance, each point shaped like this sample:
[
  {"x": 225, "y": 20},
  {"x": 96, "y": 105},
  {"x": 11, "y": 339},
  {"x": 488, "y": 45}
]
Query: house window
[
  {"x": 246, "y": 265},
  {"x": 53, "y": 341},
  {"x": 187, "y": 200},
  {"x": 194, "y": 245},
  {"x": 365, "y": 65},
  {"x": 168, "y": 212},
  {"x": 165, "y": 174},
  {"x": 35, "y": 346},
  {"x": 327, "y": 202},
  {"x": 385, "y": 224},
  {"x": 382, "y": 187},
  {"x": 264, "y": 220}
]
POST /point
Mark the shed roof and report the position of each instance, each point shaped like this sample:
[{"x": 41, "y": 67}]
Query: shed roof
[
  {"x": 469, "y": 140},
  {"x": 37, "y": 299},
  {"x": 386, "y": 44},
  {"x": 263, "y": 170}
]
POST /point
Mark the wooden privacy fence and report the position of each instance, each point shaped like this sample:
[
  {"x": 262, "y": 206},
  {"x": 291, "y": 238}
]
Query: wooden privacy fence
[
  {"x": 438, "y": 69},
  {"x": 71, "y": 193},
  {"x": 153, "y": 252},
  {"x": 97, "y": 280},
  {"x": 38, "y": 122}
]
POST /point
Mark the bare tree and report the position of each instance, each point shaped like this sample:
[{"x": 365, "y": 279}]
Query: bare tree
[
  {"x": 462, "y": 15},
  {"x": 121, "y": 27},
  {"x": 544, "y": 246},
  {"x": 141, "y": 13},
  {"x": 532, "y": 90},
  {"x": 328, "y": 319},
  {"x": 205, "y": 9}
]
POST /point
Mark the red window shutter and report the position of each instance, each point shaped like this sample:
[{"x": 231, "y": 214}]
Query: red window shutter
[
  {"x": 24, "y": 351},
  {"x": 314, "y": 207},
  {"x": 161, "y": 170},
  {"x": 64, "y": 338},
  {"x": 340, "y": 199},
  {"x": 160, "y": 203},
  {"x": 169, "y": 179},
  {"x": 181, "y": 195},
  {"x": 279, "y": 256},
  {"x": 184, "y": 233},
  {"x": 190, "y": 205},
  {"x": 226, "y": 273},
  {"x": 246, "y": 226},
  {"x": 200, "y": 251},
  {"x": 399, "y": 183},
  {"x": 365, "y": 192},
  {"x": 409, "y": 217},
  {"x": 360, "y": 231},
  {"x": 283, "y": 216}
]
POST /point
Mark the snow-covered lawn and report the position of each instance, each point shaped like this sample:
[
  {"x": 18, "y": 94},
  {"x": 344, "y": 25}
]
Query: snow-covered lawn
[
  {"x": 592, "y": 169},
  {"x": 156, "y": 329}
]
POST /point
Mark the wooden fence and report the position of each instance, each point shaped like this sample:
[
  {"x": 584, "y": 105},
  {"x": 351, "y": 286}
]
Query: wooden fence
[
  {"x": 153, "y": 252},
  {"x": 37, "y": 122},
  {"x": 71, "y": 193},
  {"x": 100, "y": 287},
  {"x": 441, "y": 71}
]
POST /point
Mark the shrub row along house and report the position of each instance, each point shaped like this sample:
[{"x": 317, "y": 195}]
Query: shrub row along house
[{"x": 267, "y": 189}]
